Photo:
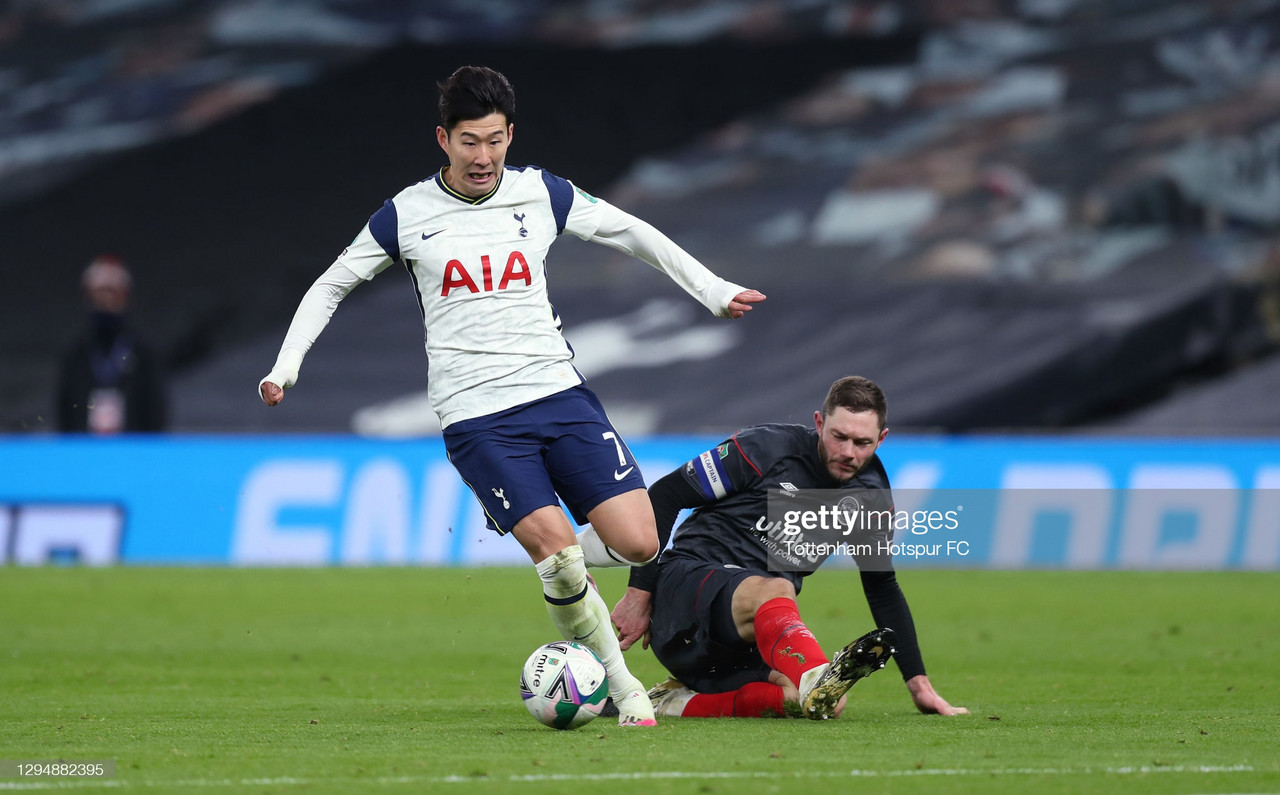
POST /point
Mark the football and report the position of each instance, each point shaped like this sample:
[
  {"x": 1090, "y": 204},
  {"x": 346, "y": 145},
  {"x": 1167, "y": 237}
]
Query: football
[{"x": 563, "y": 685}]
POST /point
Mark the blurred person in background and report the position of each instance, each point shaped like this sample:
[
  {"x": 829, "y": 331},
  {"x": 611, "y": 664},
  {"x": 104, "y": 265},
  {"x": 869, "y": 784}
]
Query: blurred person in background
[{"x": 110, "y": 381}]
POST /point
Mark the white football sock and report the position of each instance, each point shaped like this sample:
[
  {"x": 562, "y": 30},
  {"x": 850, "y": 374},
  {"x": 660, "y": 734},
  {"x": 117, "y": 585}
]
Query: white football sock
[
  {"x": 598, "y": 554},
  {"x": 581, "y": 615}
]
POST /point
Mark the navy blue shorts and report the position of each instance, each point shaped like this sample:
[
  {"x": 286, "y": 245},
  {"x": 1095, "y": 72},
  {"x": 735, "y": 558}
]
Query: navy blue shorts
[
  {"x": 692, "y": 632},
  {"x": 561, "y": 447}
]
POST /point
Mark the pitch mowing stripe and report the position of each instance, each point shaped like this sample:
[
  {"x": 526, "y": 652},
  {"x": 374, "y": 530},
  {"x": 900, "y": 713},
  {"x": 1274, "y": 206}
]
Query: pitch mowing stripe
[{"x": 639, "y": 776}]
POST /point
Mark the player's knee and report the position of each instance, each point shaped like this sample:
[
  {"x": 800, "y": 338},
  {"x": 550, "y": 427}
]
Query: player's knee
[
  {"x": 644, "y": 553},
  {"x": 637, "y": 553},
  {"x": 637, "y": 547},
  {"x": 765, "y": 589}
]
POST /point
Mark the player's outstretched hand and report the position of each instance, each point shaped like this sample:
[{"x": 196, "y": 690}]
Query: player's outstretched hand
[
  {"x": 741, "y": 303},
  {"x": 927, "y": 699},
  {"x": 271, "y": 393},
  {"x": 631, "y": 618}
]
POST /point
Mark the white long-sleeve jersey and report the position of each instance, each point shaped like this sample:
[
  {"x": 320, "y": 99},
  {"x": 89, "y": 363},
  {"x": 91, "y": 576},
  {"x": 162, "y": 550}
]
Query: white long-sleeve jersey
[{"x": 493, "y": 339}]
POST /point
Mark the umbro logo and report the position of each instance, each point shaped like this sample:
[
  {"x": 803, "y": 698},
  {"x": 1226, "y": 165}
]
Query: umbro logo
[{"x": 425, "y": 236}]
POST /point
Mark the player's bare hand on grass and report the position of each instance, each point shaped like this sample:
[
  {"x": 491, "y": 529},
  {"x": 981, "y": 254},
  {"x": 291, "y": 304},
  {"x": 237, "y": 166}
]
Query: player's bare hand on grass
[
  {"x": 927, "y": 699},
  {"x": 272, "y": 394},
  {"x": 631, "y": 618},
  {"x": 741, "y": 303},
  {"x": 938, "y": 705}
]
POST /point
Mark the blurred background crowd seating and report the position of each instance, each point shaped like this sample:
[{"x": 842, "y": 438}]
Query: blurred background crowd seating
[{"x": 1014, "y": 215}]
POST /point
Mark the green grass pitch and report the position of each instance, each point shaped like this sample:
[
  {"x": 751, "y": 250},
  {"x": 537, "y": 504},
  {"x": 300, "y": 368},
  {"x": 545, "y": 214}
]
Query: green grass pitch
[{"x": 405, "y": 680}]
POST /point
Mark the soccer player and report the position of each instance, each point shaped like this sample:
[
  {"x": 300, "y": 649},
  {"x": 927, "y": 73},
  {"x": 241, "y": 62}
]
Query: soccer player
[
  {"x": 519, "y": 424},
  {"x": 719, "y": 607}
]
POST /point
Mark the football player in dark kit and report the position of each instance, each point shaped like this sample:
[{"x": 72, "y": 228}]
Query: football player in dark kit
[{"x": 719, "y": 609}]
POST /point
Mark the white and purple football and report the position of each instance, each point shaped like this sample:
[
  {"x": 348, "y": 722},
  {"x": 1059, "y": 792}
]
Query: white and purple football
[{"x": 564, "y": 685}]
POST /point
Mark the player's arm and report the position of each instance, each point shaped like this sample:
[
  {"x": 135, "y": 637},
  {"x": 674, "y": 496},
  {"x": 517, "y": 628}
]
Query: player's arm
[
  {"x": 365, "y": 255},
  {"x": 888, "y": 603},
  {"x": 669, "y": 495},
  {"x": 889, "y": 609},
  {"x": 725, "y": 470},
  {"x": 626, "y": 233},
  {"x": 313, "y": 314},
  {"x": 700, "y": 482}
]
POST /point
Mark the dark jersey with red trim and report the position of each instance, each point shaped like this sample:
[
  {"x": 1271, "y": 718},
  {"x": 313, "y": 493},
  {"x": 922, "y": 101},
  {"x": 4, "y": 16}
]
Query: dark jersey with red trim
[
  {"x": 728, "y": 487},
  {"x": 732, "y": 525}
]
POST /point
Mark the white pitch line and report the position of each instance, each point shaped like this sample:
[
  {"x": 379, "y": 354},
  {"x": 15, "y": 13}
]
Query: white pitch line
[{"x": 637, "y": 776}]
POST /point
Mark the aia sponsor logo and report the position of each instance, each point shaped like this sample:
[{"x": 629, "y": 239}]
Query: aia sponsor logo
[{"x": 458, "y": 277}]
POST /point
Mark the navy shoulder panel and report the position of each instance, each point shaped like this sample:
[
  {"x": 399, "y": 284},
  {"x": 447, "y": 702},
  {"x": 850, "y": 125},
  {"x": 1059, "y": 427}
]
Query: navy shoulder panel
[
  {"x": 384, "y": 225},
  {"x": 561, "y": 193}
]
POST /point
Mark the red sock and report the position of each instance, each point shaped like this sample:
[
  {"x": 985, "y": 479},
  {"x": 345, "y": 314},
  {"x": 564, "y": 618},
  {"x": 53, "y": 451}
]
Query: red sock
[
  {"x": 752, "y": 700},
  {"x": 785, "y": 643}
]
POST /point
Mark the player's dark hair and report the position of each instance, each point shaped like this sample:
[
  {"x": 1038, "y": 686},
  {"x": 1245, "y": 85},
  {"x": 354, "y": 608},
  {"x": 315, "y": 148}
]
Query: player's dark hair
[
  {"x": 473, "y": 92},
  {"x": 856, "y": 394}
]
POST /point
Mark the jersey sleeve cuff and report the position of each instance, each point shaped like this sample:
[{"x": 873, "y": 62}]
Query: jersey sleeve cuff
[
  {"x": 720, "y": 295},
  {"x": 285, "y": 372}
]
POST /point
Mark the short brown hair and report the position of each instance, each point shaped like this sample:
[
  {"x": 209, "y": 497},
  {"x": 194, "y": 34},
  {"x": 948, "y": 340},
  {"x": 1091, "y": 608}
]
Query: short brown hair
[{"x": 856, "y": 394}]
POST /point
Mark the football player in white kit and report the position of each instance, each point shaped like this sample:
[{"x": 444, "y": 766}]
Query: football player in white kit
[{"x": 519, "y": 424}]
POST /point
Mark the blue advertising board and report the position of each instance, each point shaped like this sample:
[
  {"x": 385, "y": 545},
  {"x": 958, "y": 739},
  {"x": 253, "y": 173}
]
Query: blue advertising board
[{"x": 1034, "y": 502}]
